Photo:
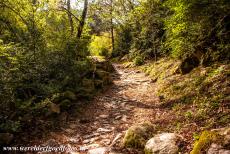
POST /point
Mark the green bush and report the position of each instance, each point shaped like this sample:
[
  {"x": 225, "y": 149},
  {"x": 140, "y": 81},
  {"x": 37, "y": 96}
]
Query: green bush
[{"x": 138, "y": 61}]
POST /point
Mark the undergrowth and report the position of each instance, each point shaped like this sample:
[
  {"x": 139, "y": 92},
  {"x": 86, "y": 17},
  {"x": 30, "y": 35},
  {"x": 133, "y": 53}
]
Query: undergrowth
[{"x": 195, "y": 101}]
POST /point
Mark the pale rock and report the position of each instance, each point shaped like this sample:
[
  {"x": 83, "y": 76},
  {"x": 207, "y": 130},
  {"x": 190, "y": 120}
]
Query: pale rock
[
  {"x": 101, "y": 150},
  {"x": 163, "y": 143}
]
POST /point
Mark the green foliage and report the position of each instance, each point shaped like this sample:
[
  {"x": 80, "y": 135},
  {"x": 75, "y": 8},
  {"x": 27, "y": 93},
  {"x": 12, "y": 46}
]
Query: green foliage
[
  {"x": 181, "y": 28},
  {"x": 39, "y": 58},
  {"x": 143, "y": 32},
  {"x": 138, "y": 61},
  {"x": 100, "y": 45},
  {"x": 193, "y": 28}
]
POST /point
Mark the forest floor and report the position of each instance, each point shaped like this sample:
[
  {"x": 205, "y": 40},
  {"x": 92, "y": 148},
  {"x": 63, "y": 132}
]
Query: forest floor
[{"x": 102, "y": 123}]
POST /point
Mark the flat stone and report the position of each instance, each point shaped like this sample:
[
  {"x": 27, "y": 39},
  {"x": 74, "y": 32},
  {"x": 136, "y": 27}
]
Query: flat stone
[
  {"x": 91, "y": 140},
  {"x": 101, "y": 150},
  {"x": 104, "y": 130},
  {"x": 118, "y": 117},
  {"x": 91, "y": 146},
  {"x": 73, "y": 140},
  {"x": 91, "y": 135},
  {"x": 105, "y": 141},
  {"x": 103, "y": 116},
  {"x": 124, "y": 118}
]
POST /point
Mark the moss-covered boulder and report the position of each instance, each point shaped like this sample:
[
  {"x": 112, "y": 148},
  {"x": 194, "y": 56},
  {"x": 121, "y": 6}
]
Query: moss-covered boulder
[
  {"x": 59, "y": 97},
  {"x": 212, "y": 142},
  {"x": 65, "y": 104},
  {"x": 70, "y": 95},
  {"x": 105, "y": 65},
  {"x": 104, "y": 76},
  {"x": 136, "y": 136}
]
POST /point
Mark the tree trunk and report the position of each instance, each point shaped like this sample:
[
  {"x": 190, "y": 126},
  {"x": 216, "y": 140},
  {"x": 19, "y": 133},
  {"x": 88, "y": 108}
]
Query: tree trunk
[
  {"x": 82, "y": 21},
  {"x": 111, "y": 22},
  {"x": 70, "y": 17}
]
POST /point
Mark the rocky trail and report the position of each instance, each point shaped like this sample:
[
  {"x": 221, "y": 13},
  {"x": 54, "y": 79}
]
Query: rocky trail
[
  {"x": 128, "y": 113},
  {"x": 102, "y": 125}
]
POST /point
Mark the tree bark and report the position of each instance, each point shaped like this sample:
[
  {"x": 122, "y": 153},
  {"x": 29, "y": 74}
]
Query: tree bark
[
  {"x": 111, "y": 22},
  {"x": 70, "y": 17},
  {"x": 82, "y": 21}
]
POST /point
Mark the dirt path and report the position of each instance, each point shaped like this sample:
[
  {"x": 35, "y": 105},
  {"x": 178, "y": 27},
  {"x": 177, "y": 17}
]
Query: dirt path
[{"x": 104, "y": 121}]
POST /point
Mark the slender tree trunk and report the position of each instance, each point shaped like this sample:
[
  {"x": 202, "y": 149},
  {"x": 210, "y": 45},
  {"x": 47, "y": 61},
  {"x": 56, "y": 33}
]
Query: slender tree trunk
[
  {"x": 82, "y": 21},
  {"x": 70, "y": 17},
  {"x": 111, "y": 22}
]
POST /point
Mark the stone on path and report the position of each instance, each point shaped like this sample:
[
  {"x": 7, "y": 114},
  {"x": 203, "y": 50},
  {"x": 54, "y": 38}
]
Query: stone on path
[
  {"x": 91, "y": 135},
  {"x": 118, "y": 117},
  {"x": 124, "y": 118},
  {"x": 162, "y": 144},
  {"x": 104, "y": 130},
  {"x": 87, "y": 147},
  {"x": 73, "y": 140},
  {"x": 217, "y": 149},
  {"x": 101, "y": 150},
  {"x": 103, "y": 116},
  {"x": 105, "y": 141},
  {"x": 91, "y": 140}
]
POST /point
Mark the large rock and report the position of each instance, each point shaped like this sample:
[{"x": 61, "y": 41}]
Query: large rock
[
  {"x": 213, "y": 142},
  {"x": 104, "y": 76},
  {"x": 165, "y": 143},
  {"x": 137, "y": 135},
  {"x": 105, "y": 65}
]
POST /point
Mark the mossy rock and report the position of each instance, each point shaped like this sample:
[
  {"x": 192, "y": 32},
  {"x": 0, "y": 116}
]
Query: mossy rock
[
  {"x": 104, "y": 76},
  {"x": 205, "y": 140},
  {"x": 88, "y": 84},
  {"x": 137, "y": 135},
  {"x": 105, "y": 65},
  {"x": 70, "y": 95},
  {"x": 99, "y": 84},
  {"x": 65, "y": 104},
  {"x": 101, "y": 74},
  {"x": 57, "y": 98}
]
